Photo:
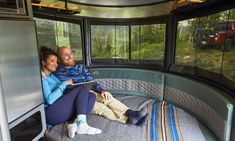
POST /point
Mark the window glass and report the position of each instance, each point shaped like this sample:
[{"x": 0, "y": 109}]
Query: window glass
[
  {"x": 228, "y": 68},
  {"x": 208, "y": 43},
  {"x": 185, "y": 49},
  {"x": 109, "y": 42},
  {"x": 56, "y": 33},
  {"x": 208, "y": 56},
  {"x": 46, "y": 33},
  {"x": 122, "y": 42},
  {"x": 137, "y": 42},
  {"x": 148, "y": 42}
]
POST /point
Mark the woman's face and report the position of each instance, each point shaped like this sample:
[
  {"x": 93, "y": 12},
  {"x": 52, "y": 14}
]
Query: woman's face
[{"x": 50, "y": 64}]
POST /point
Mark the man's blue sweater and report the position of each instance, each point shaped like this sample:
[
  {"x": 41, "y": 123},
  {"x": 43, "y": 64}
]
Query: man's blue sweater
[{"x": 78, "y": 73}]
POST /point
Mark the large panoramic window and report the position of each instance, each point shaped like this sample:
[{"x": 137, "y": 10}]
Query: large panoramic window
[
  {"x": 208, "y": 43},
  {"x": 135, "y": 42},
  {"x": 56, "y": 33}
]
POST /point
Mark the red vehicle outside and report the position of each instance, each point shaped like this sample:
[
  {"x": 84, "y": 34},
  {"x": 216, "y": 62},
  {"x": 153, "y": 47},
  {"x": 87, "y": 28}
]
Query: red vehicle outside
[{"x": 222, "y": 35}]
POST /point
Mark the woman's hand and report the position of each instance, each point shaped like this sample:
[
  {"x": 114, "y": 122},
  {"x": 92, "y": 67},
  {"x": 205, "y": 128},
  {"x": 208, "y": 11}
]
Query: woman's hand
[
  {"x": 106, "y": 95},
  {"x": 69, "y": 81}
]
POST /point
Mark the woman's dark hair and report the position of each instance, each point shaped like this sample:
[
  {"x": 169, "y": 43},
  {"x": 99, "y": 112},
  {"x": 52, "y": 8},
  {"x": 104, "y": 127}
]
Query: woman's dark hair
[{"x": 45, "y": 52}]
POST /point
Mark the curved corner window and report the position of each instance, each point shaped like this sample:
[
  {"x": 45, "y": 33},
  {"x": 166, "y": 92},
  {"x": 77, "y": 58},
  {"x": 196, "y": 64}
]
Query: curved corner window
[
  {"x": 129, "y": 43},
  {"x": 54, "y": 34},
  {"x": 208, "y": 43}
]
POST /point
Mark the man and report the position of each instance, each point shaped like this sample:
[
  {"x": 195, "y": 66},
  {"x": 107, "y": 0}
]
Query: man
[{"x": 105, "y": 105}]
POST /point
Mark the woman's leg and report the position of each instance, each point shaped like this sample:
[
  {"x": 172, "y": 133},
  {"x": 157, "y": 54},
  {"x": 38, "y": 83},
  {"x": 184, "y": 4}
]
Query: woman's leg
[
  {"x": 84, "y": 103},
  {"x": 91, "y": 102},
  {"x": 63, "y": 109},
  {"x": 81, "y": 102}
]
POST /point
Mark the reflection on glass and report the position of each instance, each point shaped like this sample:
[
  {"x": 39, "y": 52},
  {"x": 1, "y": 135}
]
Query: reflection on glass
[{"x": 55, "y": 33}]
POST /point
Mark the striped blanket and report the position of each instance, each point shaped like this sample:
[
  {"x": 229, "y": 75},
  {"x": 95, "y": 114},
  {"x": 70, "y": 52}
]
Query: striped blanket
[{"x": 164, "y": 123}]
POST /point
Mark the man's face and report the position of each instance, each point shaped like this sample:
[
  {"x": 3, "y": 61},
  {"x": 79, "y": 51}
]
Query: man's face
[{"x": 66, "y": 57}]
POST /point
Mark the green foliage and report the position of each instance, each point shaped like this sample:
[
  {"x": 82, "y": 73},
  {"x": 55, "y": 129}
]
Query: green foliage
[
  {"x": 146, "y": 34},
  {"x": 154, "y": 51},
  {"x": 146, "y": 40},
  {"x": 232, "y": 14},
  {"x": 45, "y": 33},
  {"x": 207, "y": 58},
  {"x": 210, "y": 58},
  {"x": 185, "y": 53},
  {"x": 74, "y": 36},
  {"x": 204, "y": 23}
]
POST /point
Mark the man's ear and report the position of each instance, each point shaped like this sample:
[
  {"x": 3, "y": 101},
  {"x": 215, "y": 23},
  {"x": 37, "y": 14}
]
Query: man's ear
[{"x": 43, "y": 63}]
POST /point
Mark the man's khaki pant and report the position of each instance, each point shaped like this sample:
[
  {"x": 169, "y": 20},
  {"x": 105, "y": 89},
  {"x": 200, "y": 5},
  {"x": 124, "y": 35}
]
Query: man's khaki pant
[{"x": 111, "y": 109}]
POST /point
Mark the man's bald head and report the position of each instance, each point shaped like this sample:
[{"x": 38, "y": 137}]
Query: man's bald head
[{"x": 66, "y": 57}]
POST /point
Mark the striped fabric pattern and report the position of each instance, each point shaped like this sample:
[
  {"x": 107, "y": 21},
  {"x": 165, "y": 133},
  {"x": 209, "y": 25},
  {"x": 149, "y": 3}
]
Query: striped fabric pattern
[
  {"x": 164, "y": 124},
  {"x": 199, "y": 107}
]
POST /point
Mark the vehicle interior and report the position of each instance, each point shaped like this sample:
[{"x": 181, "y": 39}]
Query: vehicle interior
[{"x": 175, "y": 58}]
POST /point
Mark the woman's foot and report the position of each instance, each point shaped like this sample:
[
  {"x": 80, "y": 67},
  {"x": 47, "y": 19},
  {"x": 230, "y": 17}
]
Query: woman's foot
[
  {"x": 86, "y": 129},
  {"x": 72, "y": 128}
]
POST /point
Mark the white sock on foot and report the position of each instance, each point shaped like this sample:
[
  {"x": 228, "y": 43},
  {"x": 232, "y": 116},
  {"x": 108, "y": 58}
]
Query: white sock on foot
[
  {"x": 83, "y": 128},
  {"x": 72, "y": 129},
  {"x": 86, "y": 129}
]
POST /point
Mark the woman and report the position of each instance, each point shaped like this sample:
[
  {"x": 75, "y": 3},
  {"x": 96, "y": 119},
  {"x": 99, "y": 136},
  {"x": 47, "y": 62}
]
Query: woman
[{"x": 61, "y": 105}]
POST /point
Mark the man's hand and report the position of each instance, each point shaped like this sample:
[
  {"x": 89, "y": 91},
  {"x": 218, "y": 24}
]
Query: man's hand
[{"x": 106, "y": 95}]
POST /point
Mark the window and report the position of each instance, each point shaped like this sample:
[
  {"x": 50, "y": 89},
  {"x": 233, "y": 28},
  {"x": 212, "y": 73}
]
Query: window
[
  {"x": 208, "y": 43},
  {"x": 130, "y": 43},
  {"x": 57, "y": 33},
  {"x": 109, "y": 42}
]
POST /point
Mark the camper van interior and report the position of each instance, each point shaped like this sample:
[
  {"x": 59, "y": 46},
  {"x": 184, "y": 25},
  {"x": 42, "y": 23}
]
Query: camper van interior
[{"x": 173, "y": 58}]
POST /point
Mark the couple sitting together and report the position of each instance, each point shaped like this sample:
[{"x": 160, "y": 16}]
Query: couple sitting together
[{"x": 63, "y": 102}]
